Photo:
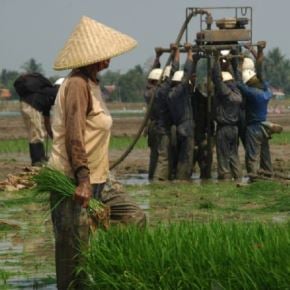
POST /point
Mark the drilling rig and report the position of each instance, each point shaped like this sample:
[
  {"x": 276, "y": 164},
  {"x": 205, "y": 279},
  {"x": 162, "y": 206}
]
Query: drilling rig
[{"x": 208, "y": 29}]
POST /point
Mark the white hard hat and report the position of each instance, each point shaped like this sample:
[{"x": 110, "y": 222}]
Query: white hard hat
[
  {"x": 155, "y": 74},
  {"x": 247, "y": 75},
  {"x": 225, "y": 52},
  {"x": 59, "y": 81},
  {"x": 248, "y": 63},
  {"x": 178, "y": 75},
  {"x": 167, "y": 71},
  {"x": 226, "y": 76}
]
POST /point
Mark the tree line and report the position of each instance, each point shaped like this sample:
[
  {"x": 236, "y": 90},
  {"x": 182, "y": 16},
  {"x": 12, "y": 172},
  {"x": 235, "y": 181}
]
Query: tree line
[{"x": 129, "y": 86}]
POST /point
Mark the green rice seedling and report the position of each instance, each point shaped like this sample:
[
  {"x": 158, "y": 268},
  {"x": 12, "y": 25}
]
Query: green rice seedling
[
  {"x": 189, "y": 255},
  {"x": 51, "y": 180}
]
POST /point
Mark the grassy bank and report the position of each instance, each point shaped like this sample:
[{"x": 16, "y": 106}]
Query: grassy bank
[
  {"x": 21, "y": 145},
  {"x": 215, "y": 255}
]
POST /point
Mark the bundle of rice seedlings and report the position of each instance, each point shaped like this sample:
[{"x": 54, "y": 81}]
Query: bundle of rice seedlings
[{"x": 51, "y": 180}]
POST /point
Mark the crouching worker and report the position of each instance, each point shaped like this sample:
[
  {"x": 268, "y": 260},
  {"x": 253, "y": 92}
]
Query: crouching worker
[
  {"x": 37, "y": 95},
  {"x": 81, "y": 128}
]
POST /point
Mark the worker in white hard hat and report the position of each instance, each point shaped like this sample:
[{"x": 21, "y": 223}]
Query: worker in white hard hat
[
  {"x": 163, "y": 121},
  {"x": 228, "y": 101},
  {"x": 59, "y": 81},
  {"x": 151, "y": 131},
  {"x": 257, "y": 94},
  {"x": 181, "y": 112}
]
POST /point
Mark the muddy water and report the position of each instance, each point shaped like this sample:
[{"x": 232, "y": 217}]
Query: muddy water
[{"x": 26, "y": 239}]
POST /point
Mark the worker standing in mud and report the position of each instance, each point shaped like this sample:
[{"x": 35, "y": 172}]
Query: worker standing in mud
[
  {"x": 81, "y": 134},
  {"x": 201, "y": 154},
  {"x": 150, "y": 91},
  {"x": 164, "y": 121},
  {"x": 258, "y": 94},
  {"x": 179, "y": 102},
  {"x": 228, "y": 102},
  {"x": 37, "y": 95}
]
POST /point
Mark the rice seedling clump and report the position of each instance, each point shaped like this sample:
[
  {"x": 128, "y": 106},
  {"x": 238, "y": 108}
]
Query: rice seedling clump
[{"x": 189, "y": 255}]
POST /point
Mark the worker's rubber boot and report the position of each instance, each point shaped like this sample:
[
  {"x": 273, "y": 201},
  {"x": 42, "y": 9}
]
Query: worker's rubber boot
[{"x": 37, "y": 154}]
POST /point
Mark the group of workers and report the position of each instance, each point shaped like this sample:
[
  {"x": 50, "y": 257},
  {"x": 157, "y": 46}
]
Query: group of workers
[{"x": 179, "y": 127}]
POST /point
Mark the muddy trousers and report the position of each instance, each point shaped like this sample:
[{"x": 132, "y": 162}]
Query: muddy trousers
[
  {"x": 153, "y": 145},
  {"x": 33, "y": 121},
  {"x": 163, "y": 171},
  {"x": 257, "y": 150},
  {"x": 203, "y": 157},
  {"x": 228, "y": 163},
  {"x": 72, "y": 228},
  {"x": 184, "y": 156}
]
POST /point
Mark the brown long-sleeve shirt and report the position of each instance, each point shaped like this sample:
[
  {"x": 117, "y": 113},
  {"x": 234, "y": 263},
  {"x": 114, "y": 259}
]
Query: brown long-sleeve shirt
[{"x": 78, "y": 105}]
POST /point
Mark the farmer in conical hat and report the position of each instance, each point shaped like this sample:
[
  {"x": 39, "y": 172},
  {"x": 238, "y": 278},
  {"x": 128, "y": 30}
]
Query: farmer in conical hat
[{"x": 81, "y": 129}]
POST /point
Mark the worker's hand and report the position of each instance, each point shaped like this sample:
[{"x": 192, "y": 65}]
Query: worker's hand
[
  {"x": 173, "y": 46},
  {"x": 50, "y": 134},
  {"x": 247, "y": 46},
  {"x": 158, "y": 51},
  {"x": 83, "y": 192},
  {"x": 187, "y": 46},
  {"x": 261, "y": 44}
]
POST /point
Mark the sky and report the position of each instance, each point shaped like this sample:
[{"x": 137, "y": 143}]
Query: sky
[{"x": 39, "y": 28}]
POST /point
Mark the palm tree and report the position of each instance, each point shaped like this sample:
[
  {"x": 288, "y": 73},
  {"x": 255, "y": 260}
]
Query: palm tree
[{"x": 31, "y": 66}]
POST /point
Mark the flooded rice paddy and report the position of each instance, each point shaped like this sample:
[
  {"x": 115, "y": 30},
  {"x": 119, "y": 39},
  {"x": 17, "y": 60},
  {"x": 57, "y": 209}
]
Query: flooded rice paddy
[{"x": 26, "y": 237}]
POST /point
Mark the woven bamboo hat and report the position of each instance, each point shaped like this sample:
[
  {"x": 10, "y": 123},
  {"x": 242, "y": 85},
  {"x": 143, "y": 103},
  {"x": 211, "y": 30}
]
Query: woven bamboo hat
[{"x": 92, "y": 42}]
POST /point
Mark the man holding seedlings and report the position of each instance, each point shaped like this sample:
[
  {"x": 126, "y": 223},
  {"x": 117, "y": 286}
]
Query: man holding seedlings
[
  {"x": 37, "y": 95},
  {"x": 81, "y": 133},
  {"x": 153, "y": 79},
  {"x": 257, "y": 94},
  {"x": 179, "y": 102},
  {"x": 228, "y": 102}
]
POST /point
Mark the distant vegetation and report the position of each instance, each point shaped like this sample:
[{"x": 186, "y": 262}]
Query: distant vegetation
[{"x": 129, "y": 86}]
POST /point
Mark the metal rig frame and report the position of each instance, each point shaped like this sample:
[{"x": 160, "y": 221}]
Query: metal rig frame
[{"x": 205, "y": 50}]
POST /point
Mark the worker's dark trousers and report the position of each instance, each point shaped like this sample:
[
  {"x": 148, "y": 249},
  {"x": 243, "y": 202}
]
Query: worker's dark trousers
[
  {"x": 203, "y": 157},
  {"x": 257, "y": 150},
  {"x": 72, "y": 227},
  {"x": 228, "y": 163},
  {"x": 153, "y": 145},
  {"x": 184, "y": 148},
  {"x": 163, "y": 171}
]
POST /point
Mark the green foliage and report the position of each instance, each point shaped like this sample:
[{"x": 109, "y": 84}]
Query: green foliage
[
  {"x": 281, "y": 139},
  {"x": 277, "y": 69},
  {"x": 189, "y": 255},
  {"x": 7, "y": 79},
  {"x": 129, "y": 86},
  {"x": 31, "y": 66}
]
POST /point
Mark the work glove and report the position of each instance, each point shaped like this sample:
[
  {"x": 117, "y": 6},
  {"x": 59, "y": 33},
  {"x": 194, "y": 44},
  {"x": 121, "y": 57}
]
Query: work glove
[{"x": 83, "y": 192}]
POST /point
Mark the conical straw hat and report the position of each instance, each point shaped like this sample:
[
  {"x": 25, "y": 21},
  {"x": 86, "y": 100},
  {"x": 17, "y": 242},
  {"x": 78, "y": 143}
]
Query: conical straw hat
[{"x": 92, "y": 42}]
